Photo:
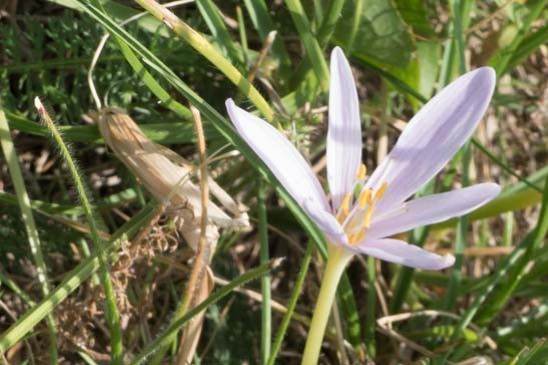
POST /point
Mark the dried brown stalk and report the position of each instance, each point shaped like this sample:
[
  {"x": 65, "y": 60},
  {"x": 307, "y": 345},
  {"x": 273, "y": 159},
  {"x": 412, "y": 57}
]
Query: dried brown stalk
[{"x": 165, "y": 174}]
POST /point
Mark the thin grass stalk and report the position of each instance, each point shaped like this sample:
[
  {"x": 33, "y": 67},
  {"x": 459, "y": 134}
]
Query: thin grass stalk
[
  {"x": 27, "y": 217},
  {"x": 313, "y": 50},
  {"x": 206, "y": 49},
  {"x": 536, "y": 10},
  {"x": 71, "y": 281},
  {"x": 266, "y": 313},
  {"x": 165, "y": 336},
  {"x": 512, "y": 269},
  {"x": 295, "y": 294},
  {"x": 331, "y": 18},
  {"x": 243, "y": 34},
  {"x": 355, "y": 21},
  {"x": 458, "y": 9},
  {"x": 212, "y": 16},
  {"x": 324, "y": 33},
  {"x": 262, "y": 22},
  {"x": 199, "y": 274},
  {"x": 112, "y": 315},
  {"x": 370, "y": 317}
]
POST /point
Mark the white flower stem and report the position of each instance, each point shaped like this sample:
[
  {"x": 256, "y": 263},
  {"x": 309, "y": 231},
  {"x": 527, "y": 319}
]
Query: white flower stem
[{"x": 337, "y": 260}]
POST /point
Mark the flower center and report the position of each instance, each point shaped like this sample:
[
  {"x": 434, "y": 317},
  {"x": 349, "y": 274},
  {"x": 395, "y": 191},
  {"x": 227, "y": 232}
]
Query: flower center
[{"x": 355, "y": 216}]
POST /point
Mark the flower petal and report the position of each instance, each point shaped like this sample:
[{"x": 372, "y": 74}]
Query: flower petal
[
  {"x": 326, "y": 222},
  {"x": 281, "y": 157},
  {"x": 400, "y": 252},
  {"x": 433, "y": 136},
  {"x": 344, "y": 138},
  {"x": 432, "y": 209}
]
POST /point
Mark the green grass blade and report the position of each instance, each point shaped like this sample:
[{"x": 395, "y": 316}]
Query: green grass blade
[
  {"x": 266, "y": 313},
  {"x": 516, "y": 271},
  {"x": 27, "y": 217},
  {"x": 202, "y": 46},
  {"x": 212, "y": 16},
  {"x": 348, "y": 305},
  {"x": 258, "y": 12},
  {"x": 371, "y": 316},
  {"x": 511, "y": 269},
  {"x": 165, "y": 133},
  {"x": 502, "y": 59},
  {"x": 112, "y": 315},
  {"x": 72, "y": 280},
  {"x": 313, "y": 50},
  {"x": 295, "y": 294},
  {"x": 166, "y": 335}
]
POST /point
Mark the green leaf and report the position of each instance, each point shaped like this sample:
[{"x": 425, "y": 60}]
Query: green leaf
[
  {"x": 381, "y": 38},
  {"x": 414, "y": 13}
]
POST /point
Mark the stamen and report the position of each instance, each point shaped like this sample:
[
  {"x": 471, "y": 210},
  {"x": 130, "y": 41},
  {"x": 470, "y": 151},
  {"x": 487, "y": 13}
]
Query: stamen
[
  {"x": 362, "y": 171},
  {"x": 379, "y": 193},
  {"x": 345, "y": 205},
  {"x": 367, "y": 218},
  {"x": 365, "y": 198},
  {"x": 357, "y": 237},
  {"x": 344, "y": 208}
]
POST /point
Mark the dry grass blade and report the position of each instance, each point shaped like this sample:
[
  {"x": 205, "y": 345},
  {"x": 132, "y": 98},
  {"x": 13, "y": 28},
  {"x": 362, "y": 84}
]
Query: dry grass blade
[
  {"x": 200, "y": 284},
  {"x": 166, "y": 174}
]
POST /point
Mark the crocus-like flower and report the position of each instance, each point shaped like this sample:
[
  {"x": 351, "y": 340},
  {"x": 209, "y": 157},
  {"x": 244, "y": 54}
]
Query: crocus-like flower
[{"x": 363, "y": 222}]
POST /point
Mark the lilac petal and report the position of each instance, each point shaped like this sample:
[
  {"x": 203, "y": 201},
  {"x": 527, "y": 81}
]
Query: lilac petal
[
  {"x": 344, "y": 139},
  {"x": 281, "y": 157},
  {"x": 432, "y": 209},
  {"x": 400, "y": 252},
  {"x": 433, "y": 136},
  {"x": 326, "y": 222}
]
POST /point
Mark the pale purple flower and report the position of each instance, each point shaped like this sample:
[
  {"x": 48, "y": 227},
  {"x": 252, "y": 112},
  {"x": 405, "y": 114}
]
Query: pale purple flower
[{"x": 364, "y": 223}]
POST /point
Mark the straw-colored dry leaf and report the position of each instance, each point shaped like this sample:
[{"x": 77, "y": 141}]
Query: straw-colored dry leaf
[{"x": 166, "y": 174}]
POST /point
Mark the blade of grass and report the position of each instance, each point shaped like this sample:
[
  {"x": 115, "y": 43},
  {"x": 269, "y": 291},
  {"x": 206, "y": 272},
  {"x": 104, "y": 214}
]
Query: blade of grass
[
  {"x": 501, "y": 294},
  {"x": 258, "y": 12},
  {"x": 202, "y": 46},
  {"x": 511, "y": 269},
  {"x": 266, "y": 313},
  {"x": 30, "y": 225},
  {"x": 347, "y": 301},
  {"x": 370, "y": 317},
  {"x": 212, "y": 16},
  {"x": 243, "y": 35},
  {"x": 72, "y": 281},
  {"x": 459, "y": 14},
  {"x": 112, "y": 315},
  {"x": 174, "y": 132},
  {"x": 313, "y": 50},
  {"x": 501, "y": 60},
  {"x": 528, "y": 45},
  {"x": 295, "y": 294},
  {"x": 165, "y": 336}
]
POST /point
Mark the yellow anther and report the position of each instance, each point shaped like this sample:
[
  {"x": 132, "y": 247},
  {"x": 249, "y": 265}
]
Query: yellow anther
[
  {"x": 379, "y": 193},
  {"x": 345, "y": 204},
  {"x": 367, "y": 217},
  {"x": 362, "y": 171},
  {"x": 365, "y": 198},
  {"x": 344, "y": 208},
  {"x": 356, "y": 237}
]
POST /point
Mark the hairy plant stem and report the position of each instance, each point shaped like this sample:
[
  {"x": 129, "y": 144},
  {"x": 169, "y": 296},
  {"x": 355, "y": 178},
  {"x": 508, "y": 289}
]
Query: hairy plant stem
[{"x": 337, "y": 259}]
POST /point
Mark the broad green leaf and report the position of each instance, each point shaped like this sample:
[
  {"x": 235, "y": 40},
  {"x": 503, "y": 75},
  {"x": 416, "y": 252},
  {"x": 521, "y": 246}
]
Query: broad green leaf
[
  {"x": 415, "y": 14},
  {"x": 382, "y": 36}
]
